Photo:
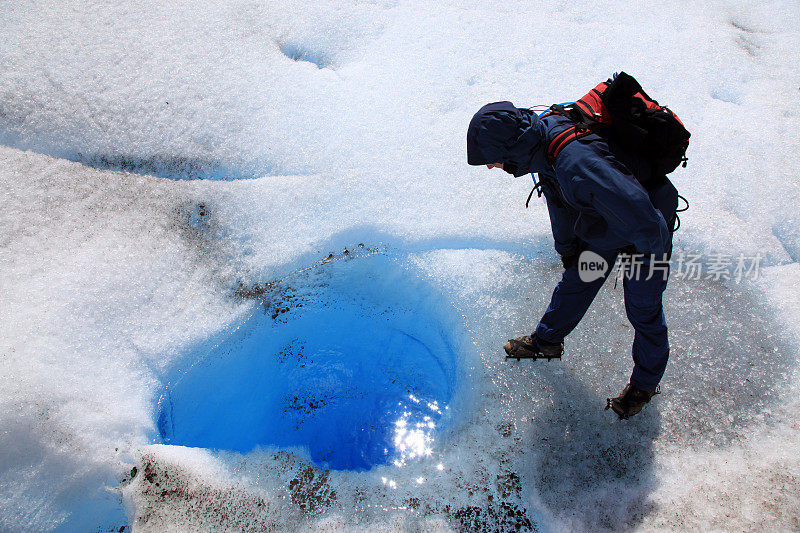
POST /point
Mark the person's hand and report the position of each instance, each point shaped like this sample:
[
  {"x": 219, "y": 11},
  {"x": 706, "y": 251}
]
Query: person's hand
[{"x": 569, "y": 260}]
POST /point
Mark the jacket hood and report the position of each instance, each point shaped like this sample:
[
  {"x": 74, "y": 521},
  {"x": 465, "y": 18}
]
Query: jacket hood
[{"x": 501, "y": 133}]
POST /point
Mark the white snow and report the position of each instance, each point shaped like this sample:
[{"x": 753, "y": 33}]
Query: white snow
[{"x": 323, "y": 125}]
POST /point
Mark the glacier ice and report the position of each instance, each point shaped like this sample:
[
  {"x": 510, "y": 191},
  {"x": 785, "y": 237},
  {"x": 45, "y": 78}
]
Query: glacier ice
[{"x": 113, "y": 277}]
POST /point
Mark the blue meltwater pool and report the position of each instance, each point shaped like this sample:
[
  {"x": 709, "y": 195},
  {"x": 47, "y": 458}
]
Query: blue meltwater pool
[{"x": 351, "y": 359}]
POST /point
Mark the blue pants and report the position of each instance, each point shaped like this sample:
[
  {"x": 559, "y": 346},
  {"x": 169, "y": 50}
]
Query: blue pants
[{"x": 572, "y": 298}]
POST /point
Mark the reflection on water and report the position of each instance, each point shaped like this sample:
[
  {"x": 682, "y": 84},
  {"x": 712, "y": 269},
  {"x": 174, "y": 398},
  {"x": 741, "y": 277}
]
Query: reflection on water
[{"x": 413, "y": 435}]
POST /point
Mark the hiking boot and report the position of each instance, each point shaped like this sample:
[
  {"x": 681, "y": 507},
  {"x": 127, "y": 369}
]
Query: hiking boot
[
  {"x": 529, "y": 347},
  {"x": 631, "y": 401}
]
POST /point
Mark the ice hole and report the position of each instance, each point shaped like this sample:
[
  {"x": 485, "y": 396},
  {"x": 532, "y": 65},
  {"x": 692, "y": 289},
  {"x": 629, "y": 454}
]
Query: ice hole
[
  {"x": 352, "y": 360},
  {"x": 297, "y": 52}
]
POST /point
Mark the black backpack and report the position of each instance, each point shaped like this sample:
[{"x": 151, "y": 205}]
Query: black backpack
[{"x": 620, "y": 106}]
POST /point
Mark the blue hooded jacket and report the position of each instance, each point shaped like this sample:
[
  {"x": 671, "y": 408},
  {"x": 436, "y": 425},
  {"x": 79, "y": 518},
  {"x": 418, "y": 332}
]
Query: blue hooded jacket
[{"x": 592, "y": 189}]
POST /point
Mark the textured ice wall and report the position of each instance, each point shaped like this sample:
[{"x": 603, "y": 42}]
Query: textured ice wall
[{"x": 355, "y": 116}]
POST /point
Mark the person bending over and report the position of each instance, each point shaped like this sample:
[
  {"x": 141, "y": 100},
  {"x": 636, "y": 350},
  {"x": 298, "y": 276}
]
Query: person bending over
[{"x": 597, "y": 203}]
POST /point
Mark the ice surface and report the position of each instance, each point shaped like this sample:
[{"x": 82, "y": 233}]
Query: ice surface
[{"x": 328, "y": 124}]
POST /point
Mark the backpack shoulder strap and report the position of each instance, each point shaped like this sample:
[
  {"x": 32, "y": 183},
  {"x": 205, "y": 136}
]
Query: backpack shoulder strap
[
  {"x": 575, "y": 130},
  {"x": 561, "y": 140},
  {"x": 586, "y": 114}
]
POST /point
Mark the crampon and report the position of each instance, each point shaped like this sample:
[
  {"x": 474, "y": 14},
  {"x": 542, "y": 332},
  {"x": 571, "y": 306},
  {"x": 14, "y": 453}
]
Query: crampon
[
  {"x": 631, "y": 401},
  {"x": 529, "y": 347}
]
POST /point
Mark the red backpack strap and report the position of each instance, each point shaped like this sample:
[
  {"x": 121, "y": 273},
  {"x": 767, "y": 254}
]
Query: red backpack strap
[
  {"x": 562, "y": 140},
  {"x": 586, "y": 112}
]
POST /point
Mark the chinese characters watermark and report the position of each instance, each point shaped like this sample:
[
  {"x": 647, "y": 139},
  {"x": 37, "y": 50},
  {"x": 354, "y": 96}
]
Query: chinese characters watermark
[
  {"x": 717, "y": 266},
  {"x": 684, "y": 266}
]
